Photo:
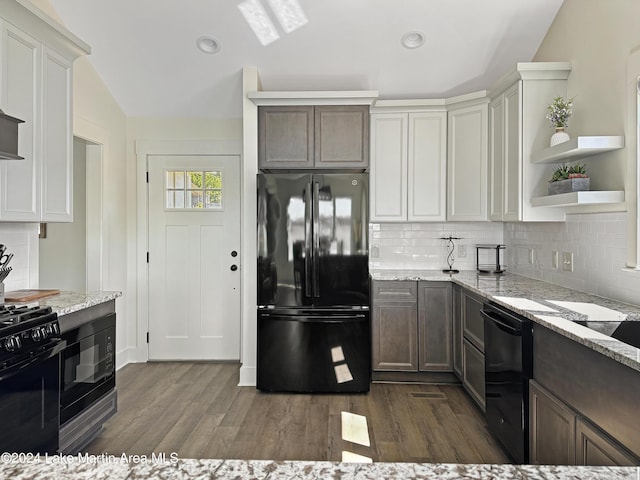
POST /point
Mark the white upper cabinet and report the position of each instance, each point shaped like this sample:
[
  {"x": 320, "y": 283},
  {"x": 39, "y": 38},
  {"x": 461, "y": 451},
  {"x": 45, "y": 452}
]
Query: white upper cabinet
[
  {"x": 57, "y": 139},
  {"x": 408, "y": 165},
  {"x": 505, "y": 165},
  {"x": 36, "y": 57},
  {"x": 519, "y": 128},
  {"x": 427, "y": 167},
  {"x": 21, "y": 64},
  {"x": 467, "y": 161},
  {"x": 388, "y": 167}
]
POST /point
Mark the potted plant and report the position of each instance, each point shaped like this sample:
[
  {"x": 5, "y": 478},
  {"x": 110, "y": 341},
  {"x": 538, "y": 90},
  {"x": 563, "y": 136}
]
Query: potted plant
[
  {"x": 559, "y": 112},
  {"x": 569, "y": 178}
]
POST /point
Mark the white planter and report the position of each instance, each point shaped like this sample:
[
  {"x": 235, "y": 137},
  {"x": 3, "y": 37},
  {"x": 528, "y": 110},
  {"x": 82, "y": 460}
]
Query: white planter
[{"x": 559, "y": 137}]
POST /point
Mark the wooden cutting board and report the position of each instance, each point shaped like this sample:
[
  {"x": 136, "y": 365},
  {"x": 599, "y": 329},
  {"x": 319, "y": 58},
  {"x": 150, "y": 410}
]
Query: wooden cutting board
[{"x": 28, "y": 295}]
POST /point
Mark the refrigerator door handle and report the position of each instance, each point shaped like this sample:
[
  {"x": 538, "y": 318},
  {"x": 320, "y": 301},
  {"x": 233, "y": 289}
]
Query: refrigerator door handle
[
  {"x": 307, "y": 239},
  {"x": 316, "y": 237}
]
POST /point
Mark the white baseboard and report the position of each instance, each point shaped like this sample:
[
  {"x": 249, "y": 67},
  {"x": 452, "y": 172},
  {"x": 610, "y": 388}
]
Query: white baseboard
[
  {"x": 125, "y": 356},
  {"x": 248, "y": 376}
]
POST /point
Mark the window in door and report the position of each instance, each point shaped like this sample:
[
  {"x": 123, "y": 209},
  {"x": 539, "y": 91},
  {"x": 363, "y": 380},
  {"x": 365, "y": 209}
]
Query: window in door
[{"x": 193, "y": 190}]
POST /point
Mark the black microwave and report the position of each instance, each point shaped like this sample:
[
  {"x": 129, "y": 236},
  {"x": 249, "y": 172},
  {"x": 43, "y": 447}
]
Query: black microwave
[{"x": 87, "y": 365}]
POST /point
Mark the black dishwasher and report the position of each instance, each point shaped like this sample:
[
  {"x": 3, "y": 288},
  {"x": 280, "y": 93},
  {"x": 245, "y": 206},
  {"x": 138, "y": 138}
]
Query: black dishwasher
[{"x": 508, "y": 357}]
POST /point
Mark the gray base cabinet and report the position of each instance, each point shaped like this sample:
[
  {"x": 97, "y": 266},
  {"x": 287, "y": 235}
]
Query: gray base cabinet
[
  {"x": 551, "y": 427},
  {"x": 561, "y": 436},
  {"x": 457, "y": 331},
  {"x": 473, "y": 372},
  {"x": 412, "y": 326},
  {"x": 594, "y": 447},
  {"x": 435, "y": 327},
  {"x": 304, "y": 137},
  {"x": 394, "y": 326},
  {"x": 583, "y": 405},
  {"x": 468, "y": 343}
]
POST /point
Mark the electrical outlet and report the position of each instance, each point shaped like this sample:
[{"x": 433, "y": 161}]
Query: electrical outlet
[
  {"x": 375, "y": 251},
  {"x": 462, "y": 251},
  {"x": 554, "y": 259},
  {"x": 531, "y": 256},
  {"x": 567, "y": 261}
]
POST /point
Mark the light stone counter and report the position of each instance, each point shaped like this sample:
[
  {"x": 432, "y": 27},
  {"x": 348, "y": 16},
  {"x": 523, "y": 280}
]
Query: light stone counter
[
  {"x": 534, "y": 299},
  {"x": 65, "y": 303},
  {"x": 184, "y": 469}
]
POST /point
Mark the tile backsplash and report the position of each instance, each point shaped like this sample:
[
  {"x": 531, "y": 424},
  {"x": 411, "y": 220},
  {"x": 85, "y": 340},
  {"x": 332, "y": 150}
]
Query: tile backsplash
[
  {"x": 597, "y": 243},
  {"x": 21, "y": 239},
  {"x": 420, "y": 246}
]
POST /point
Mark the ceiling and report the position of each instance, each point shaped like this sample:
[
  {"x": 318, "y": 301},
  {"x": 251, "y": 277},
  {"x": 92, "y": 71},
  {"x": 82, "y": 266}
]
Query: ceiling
[{"x": 145, "y": 50}]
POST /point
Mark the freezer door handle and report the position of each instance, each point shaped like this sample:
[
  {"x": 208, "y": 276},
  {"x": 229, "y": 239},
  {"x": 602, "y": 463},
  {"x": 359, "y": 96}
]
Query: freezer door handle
[
  {"x": 315, "y": 318},
  {"x": 307, "y": 239},
  {"x": 316, "y": 236}
]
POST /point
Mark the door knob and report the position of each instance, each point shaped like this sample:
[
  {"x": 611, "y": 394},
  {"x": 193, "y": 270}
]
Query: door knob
[
  {"x": 234, "y": 268},
  {"x": 234, "y": 253}
]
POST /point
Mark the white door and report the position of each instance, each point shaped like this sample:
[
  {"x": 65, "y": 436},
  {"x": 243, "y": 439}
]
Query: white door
[{"x": 194, "y": 257}]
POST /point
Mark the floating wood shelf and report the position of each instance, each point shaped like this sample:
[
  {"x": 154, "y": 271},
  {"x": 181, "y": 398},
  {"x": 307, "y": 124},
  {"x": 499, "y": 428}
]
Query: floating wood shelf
[
  {"x": 578, "y": 198},
  {"x": 578, "y": 147}
]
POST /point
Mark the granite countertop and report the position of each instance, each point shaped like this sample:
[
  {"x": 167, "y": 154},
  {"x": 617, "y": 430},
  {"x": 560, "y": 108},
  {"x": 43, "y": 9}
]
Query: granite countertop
[
  {"x": 534, "y": 299},
  {"x": 69, "y": 302},
  {"x": 67, "y": 467}
]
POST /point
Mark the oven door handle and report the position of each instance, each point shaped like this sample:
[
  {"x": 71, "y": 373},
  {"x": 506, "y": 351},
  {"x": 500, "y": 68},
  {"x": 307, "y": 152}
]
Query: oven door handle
[
  {"x": 19, "y": 367},
  {"x": 505, "y": 327}
]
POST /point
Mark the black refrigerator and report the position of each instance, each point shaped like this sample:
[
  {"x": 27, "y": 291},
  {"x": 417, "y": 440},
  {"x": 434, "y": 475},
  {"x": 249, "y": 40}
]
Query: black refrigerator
[{"x": 314, "y": 333}]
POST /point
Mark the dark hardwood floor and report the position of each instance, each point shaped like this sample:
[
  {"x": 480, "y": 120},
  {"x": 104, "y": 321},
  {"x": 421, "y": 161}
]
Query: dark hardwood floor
[{"x": 197, "y": 411}]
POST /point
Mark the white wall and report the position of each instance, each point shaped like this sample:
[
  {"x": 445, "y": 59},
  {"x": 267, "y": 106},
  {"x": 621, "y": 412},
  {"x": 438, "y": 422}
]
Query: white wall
[{"x": 62, "y": 262}]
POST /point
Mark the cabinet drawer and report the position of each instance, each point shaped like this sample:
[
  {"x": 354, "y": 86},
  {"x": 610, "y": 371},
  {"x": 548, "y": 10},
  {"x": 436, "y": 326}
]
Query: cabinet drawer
[
  {"x": 472, "y": 321},
  {"x": 473, "y": 368},
  {"x": 395, "y": 291}
]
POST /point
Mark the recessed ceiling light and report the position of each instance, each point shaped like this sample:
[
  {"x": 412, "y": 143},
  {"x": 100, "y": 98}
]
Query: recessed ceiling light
[
  {"x": 208, "y": 44},
  {"x": 413, "y": 39}
]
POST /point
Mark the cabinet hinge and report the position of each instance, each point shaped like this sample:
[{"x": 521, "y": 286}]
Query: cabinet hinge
[{"x": 147, "y": 337}]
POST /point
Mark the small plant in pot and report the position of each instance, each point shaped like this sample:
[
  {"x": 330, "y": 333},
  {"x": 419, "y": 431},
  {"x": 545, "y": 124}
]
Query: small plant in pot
[
  {"x": 569, "y": 178},
  {"x": 559, "y": 112}
]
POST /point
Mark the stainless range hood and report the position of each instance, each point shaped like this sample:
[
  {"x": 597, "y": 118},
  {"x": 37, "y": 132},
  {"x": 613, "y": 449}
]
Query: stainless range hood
[{"x": 9, "y": 137}]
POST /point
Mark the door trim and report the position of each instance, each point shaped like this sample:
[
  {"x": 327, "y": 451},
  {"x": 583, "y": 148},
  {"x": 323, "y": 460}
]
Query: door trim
[{"x": 146, "y": 150}]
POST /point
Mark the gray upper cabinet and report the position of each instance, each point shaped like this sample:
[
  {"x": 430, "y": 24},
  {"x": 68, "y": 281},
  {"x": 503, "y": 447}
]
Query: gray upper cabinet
[
  {"x": 342, "y": 137},
  {"x": 285, "y": 137},
  {"x": 303, "y": 137},
  {"x": 435, "y": 326}
]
